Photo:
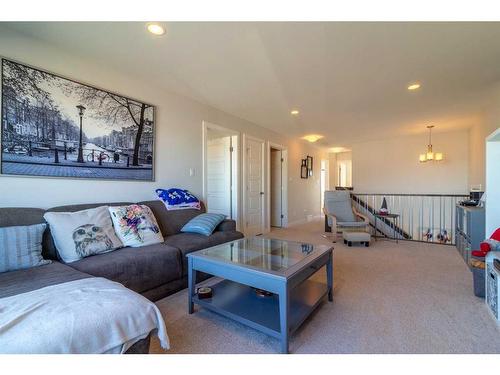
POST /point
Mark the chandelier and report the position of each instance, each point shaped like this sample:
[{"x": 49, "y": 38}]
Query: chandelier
[{"x": 430, "y": 155}]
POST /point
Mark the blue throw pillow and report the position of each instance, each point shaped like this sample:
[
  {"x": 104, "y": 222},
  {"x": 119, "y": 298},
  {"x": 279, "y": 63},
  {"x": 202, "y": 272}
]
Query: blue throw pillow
[
  {"x": 21, "y": 247},
  {"x": 203, "y": 224}
]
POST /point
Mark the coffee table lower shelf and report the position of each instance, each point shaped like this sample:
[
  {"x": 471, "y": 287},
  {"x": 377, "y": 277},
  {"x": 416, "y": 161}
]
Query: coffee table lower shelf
[{"x": 240, "y": 302}]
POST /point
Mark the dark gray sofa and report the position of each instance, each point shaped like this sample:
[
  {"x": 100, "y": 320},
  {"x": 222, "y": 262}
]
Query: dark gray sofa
[{"x": 154, "y": 271}]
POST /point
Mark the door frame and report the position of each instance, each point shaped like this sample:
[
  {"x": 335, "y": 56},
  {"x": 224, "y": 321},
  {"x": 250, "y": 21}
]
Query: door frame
[
  {"x": 284, "y": 185},
  {"x": 326, "y": 180},
  {"x": 235, "y": 188},
  {"x": 244, "y": 184}
]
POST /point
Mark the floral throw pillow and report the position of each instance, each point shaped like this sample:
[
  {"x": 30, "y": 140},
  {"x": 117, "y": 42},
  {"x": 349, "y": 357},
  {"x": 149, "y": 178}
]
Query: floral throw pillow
[{"x": 135, "y": 225}]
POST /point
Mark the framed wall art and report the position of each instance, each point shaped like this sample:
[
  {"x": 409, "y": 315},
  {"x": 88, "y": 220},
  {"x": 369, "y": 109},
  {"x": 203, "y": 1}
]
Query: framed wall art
[{"x": 57, "y": 127}]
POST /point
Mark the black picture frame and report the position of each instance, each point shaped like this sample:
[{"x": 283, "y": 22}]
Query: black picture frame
[
  {"x": 42, "y": 115},
  {"x": 303, "y": 169},
  {"x": 309, "y": 164}
]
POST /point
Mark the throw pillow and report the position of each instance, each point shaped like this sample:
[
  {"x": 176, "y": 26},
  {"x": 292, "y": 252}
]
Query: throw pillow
[
  {"x": 203, "y": 224},
  {"x": 21, "y": 247},
  {"x": 178, "y": 199},
  {"x": 135, "y": 225},
  {"x": 83, "y": 233}
]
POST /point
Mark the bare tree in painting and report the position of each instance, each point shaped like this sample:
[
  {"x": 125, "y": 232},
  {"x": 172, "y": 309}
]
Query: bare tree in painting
[
  {"x": 22, "y": 83},
  {"x": 115, "y": 109},
  {"x": 25, "y": 81}
]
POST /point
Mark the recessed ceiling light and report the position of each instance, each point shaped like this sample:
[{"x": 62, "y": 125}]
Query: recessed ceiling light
[
  {"x": 294, "y": 112},
  {"x": 414, "y": 86},
  {"x": 155, "y": 29},
  {"x": 312, "y": 137}
]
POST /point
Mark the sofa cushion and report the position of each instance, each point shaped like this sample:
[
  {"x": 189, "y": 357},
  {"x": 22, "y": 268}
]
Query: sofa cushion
[
  {"x": 139, "y": 268},
  {"x": 222, "y": 237},
  {"x": 171, "y": 222},
  {"x": 189, "y": 242},
  {"x": 23, "y": 281},
  {"x": 227, "y": 225},
  {"x": 17, "y": 216}
]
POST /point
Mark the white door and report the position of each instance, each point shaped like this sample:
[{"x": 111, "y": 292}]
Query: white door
[
  {"x": 219, "y": 176},
  {"x": 276, "y": 188},
  {"x": 254, "y": 179},
  {"x": 342, "y": 174}
]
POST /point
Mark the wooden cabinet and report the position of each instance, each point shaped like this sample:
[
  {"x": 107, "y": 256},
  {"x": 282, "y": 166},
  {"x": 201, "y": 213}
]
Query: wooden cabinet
[{"x": 469, "y": 230}]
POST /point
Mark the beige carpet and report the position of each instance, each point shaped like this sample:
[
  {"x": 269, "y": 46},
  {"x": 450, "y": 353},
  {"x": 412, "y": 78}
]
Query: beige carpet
[{"x": 388, "y": 298}]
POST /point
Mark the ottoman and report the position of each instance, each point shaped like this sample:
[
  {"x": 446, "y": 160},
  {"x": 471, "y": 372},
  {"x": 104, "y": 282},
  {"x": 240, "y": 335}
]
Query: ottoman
[{"x": 360, "y": 237}]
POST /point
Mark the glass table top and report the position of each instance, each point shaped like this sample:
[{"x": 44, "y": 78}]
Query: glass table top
[{"x": 264, "y": 253}]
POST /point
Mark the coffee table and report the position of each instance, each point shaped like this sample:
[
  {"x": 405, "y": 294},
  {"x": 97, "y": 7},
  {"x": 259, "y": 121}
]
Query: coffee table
[{"x": 250, "y": 266}]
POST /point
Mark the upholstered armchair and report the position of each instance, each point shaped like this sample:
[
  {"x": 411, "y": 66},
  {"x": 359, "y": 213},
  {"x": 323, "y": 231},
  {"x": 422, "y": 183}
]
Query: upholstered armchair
[{"x": 340, "y": 215}]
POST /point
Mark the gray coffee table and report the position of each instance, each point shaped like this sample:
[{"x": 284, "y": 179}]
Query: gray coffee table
[{"x": 282, "y": 268}]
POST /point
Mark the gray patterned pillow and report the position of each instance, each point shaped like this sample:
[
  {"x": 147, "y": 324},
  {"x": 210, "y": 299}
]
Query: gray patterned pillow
[{"x": 21, "y": 247}]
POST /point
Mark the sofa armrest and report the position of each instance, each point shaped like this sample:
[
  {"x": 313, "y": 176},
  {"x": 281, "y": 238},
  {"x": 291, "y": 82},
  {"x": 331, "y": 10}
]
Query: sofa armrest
[{"x": 227, "y": 225}]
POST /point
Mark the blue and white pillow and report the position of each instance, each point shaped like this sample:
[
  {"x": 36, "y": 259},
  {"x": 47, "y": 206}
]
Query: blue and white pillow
[
  {"x": 178, "y": 199},
  {"x": 203, "y": 224},
  {"x": 21, "y": 247}
]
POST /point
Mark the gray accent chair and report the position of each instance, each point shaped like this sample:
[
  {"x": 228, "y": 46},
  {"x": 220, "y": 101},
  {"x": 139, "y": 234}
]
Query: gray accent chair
[{"x": 340, "y": 215}]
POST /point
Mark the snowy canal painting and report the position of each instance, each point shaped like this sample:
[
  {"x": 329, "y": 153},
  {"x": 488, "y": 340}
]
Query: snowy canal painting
[{"x": 53, "y": 126}]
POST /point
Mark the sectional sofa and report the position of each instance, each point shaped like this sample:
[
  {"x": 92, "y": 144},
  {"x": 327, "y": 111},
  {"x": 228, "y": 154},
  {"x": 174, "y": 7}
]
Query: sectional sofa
[{"x": 154, "y": 271}]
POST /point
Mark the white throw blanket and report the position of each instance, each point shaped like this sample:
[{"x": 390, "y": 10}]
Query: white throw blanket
[{"x": 92, "y": 315}]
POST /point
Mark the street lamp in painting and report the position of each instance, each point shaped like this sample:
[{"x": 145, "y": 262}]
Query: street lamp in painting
[{"x": 81, "y": 111}]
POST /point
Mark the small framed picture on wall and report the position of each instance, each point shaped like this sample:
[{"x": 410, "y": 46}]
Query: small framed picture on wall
[
  {"x": 309, "y": 163},
  {"x": 303, "y": 169}
]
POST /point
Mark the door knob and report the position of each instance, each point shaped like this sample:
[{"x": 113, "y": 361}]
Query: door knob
[{"x": 261, "y": 193}]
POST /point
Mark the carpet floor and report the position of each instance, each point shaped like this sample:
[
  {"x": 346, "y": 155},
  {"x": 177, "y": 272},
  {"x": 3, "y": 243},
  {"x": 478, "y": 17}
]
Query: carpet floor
[{"x": 404, "y": 297}]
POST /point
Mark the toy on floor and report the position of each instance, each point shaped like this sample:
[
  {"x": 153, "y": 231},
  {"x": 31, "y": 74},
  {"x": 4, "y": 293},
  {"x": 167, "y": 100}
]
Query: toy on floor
[
  {"x": 428, "y": 235},
  {"x": 443, "y": 236}
]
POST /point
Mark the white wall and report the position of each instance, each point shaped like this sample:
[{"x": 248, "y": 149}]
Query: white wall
[
  {"x": 303, "y": 194},
  {"x": 478, "y": 133},
  {"x": 492, "y": 183},
  {"x": 178, "y": 138},
  {"x": 392, "y": 165}
]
